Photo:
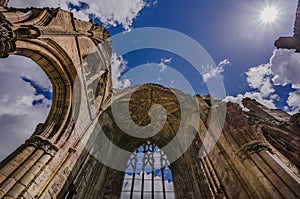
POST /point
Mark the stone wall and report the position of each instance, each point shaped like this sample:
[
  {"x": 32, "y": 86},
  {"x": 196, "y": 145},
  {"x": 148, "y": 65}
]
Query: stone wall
[{"x": 256, "y": 155}]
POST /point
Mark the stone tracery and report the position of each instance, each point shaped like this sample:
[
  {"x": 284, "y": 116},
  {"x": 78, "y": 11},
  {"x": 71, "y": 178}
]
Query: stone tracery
[{"x": 55, "y": 163}]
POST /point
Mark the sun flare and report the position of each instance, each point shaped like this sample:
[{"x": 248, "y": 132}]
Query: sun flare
[{"x": 269, "y": 14}]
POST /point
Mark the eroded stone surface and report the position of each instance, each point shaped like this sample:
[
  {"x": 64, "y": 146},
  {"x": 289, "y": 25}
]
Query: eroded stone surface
[{"x": 256, "y": 155}]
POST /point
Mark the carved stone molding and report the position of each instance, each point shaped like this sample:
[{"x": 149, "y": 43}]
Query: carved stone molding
[
  {"x": 6, "y": 32},
  {"x": 9, "y": 36},
  {"x": 98, "y": 33},
  {"x": 41, "y": 143},
  {"x": 7, "y": 39},
  {"x": 27, "y": 32},
  {"x": 253, "y": 147}
]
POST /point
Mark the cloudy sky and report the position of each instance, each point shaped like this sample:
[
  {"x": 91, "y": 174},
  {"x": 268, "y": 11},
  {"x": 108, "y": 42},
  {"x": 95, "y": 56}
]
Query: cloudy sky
[
  {"x": 233, "y": 32},
  {"x": 25, "y": 101}
]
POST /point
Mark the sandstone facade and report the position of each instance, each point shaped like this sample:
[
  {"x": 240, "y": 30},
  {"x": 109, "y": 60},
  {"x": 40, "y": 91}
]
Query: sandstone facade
[{"x": 256, "y": 156}]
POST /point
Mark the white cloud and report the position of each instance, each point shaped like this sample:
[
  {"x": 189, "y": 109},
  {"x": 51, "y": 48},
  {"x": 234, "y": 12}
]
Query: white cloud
[
  {"x": 210, "y": 71},
  {"x": 172, "y": 83},
  {"x": 294, "y": 102},
  {"x": 282, "y": 70},
  {"x": 23, "y": 66},
  {"x": 266, "y": 88},
  {"x": 286, "y": 108},
  {"x": 238, "y": 100},
  {"x": 110, "y": 12},
  {"x": 119, "y": 65},
  {"x": 163, "y": 66},
  {"x": 18, "y": 117},
  {"x": 224, "y": 63},
  {"x": 285, "y": 67},
  {"x": 269, "y": 103},
  {"x": 35, "y": 3},
  {"x": 259, "y": 78},
  {"x": 81, "y": 14},
  {"x": 274, "y": 97},
  {"x": 167, "y": 61},
  {"x": 256, "y": 75},
  {"x": 163, "y": 63}
]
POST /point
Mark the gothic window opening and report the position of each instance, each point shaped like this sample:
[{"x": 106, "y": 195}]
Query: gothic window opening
[{"x": 148, "y": 175}]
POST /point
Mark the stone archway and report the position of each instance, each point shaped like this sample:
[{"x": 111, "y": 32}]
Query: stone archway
[
  {"x": 60, "y": 70},
  {"x": 56, "y": 160},
  {"x": 193, "y": 176},
  {"x": 66, "y": 49},
  {"x": 236, "y": 167}
]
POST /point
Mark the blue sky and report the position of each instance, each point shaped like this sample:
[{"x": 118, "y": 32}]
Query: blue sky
[
  {"x": 231, "y": 32},
  {"x": 228, "y": 30},
  {"x": 39, "y": 90}
]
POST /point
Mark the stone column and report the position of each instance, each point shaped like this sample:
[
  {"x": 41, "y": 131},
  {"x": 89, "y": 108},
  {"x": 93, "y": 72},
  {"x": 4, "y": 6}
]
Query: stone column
[
  {"x": 276, "y": 181},
  {"x": 21, "y": 171}
]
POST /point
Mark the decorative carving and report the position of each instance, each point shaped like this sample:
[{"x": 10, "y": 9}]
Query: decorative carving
[
  {"x": 41, "y": 143},
  {"x": 8, "y": 36},
  {"x": 253, "y": 147},
  {"x": 98, "y": 33},
  {"x": 6, "y": 32},
  {"x": 7, "y": 39},
  {"x": 27, "y": 32}
]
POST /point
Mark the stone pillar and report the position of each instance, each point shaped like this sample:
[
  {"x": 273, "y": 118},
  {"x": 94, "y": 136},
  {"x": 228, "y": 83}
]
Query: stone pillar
[
  {"x": 246, "y": 164},
  {"x": 276, "y": 180},
  {"x": 21, "y": 171}
]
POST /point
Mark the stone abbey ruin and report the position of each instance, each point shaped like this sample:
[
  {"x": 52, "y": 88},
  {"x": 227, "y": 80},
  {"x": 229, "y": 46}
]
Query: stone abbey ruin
[{"x": 256, "y": 156}]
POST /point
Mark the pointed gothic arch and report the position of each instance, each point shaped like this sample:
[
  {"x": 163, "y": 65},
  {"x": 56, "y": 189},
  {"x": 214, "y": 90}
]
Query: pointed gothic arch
[
  {"x": 55, "y": 162},
  {"x": 148, "y": 174},
  {"x": 60, "y": 45}
]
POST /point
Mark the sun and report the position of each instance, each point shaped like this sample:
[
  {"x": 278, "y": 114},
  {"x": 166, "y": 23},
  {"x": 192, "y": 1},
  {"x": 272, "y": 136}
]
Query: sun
[{"x": 269, "y": 14}]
